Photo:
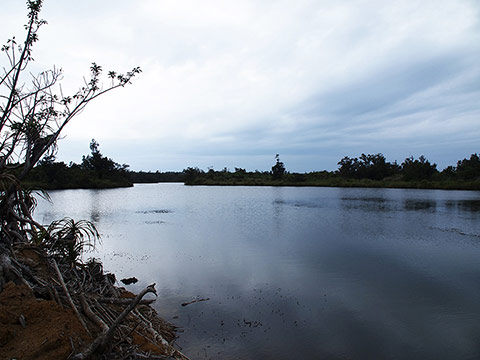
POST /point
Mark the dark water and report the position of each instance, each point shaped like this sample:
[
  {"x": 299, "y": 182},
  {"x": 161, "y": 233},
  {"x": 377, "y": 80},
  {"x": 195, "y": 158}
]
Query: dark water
[{"x": 297, "y": 273}]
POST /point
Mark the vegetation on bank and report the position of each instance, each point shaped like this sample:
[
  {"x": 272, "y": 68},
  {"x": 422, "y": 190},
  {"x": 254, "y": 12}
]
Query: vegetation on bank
[
  {"x": 96, "y": 171},
  {"x": 370, "y": 170},
  {"x": 367, "y": 170},
  {"x": 143, "y": 177}
]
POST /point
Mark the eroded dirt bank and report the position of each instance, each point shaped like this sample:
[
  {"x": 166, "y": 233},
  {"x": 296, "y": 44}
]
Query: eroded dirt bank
[{"x": 37, "y": 321}]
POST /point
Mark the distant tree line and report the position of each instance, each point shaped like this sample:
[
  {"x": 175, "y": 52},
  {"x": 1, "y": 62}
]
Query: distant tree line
[
  {"x": 369, "y": 170},
  {"x": 375, "y": 167},
  {"x": 157, "y": 176},
  {"x": 95, "y": 171}
]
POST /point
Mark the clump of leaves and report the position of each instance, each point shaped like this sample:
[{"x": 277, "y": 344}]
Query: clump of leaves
[{"x": 68, "y": 239}]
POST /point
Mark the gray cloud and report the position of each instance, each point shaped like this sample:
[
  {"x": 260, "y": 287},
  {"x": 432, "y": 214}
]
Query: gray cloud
[{"x": 229, "y": 83}]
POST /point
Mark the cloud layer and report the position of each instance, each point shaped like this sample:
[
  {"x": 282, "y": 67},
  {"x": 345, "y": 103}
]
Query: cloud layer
[{"x": 231, "y": 83}]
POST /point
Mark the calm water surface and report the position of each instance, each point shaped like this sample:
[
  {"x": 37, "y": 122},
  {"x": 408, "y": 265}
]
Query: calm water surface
[{"x": 292, "y": 273}]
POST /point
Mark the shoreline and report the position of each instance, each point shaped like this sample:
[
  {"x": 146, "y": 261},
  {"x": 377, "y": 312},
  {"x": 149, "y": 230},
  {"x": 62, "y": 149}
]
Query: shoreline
[
  {"x": 55, "y": 311},
  {"x": 473, "y": 186},
  {"x": 370, "y": 184}
]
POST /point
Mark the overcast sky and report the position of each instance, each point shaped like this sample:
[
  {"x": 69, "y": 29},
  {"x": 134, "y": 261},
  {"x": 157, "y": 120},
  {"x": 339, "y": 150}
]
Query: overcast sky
[{"x": 232, "y": 83}]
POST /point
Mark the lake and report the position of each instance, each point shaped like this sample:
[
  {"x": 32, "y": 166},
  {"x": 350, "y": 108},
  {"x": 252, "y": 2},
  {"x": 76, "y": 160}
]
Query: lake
[{"x": 296, "y": 273}]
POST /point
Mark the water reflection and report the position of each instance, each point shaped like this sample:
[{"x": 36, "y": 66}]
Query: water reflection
[
  {"x": 464, "y": 205},
  {"x": 368, "y": 203},
  {"x": 95, "y": 212},
  {"x": 298, "y": 272},
  {"x": 420, "y": 204}
]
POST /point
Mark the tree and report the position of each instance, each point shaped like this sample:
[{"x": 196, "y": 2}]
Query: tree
[
  {"x": 420, "y": 169},
  {"x": 239, "y": 173},
  {"x": 33, "y": 113},
  {"x": 348, "y": 167},
  {"x": 450, "y": 172},
  {"x": 278, "y": 170},
  {"x": 469, "y": 169},
  {"x": 102, "y": 165},
  {"x": 191, "y": 173},
  {"x": 374, "y": 167}
]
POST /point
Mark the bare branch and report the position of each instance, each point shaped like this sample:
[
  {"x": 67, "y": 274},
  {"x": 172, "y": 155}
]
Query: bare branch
[
  {"x": 105, "y": 337},
  {"x": 33, "y": 115}
]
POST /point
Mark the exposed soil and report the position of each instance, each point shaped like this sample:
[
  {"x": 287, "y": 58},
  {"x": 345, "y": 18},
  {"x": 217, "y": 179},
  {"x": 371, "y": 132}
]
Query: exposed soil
[
  {"x": 35, "y": 326},
  {"x": 48, "y": 332}
]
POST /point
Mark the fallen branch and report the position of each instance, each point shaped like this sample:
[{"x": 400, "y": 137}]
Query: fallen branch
[
  {"x": 124, "y": 301},
  {"x": 151, "y": 357},
  {"x": 172, "y": 352},
  {"x": 28, "y": 272},
  {"x": 195, "y": 301},
  {"x": 9, "y": 272},
  {"x": 55, "y": 294},
  {"x": 91, "y": 315},
  {"x": 105, "y": 337},
  {"x": 106, "y": 314},
  {"x": 156, "y": 336},
  {"x": 69, "y": 298}
]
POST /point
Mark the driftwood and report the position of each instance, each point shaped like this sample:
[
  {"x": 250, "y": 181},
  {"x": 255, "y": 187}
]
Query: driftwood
[
  {"x": 8, "y": 271},
  {"x": 55, "y": 294},
  {"x": 195, "y": 301},
  {"x": 69, "y": 298},
  {"x": 91, "y": 315},
  {"x": 172, "y": 352},
  {"x": 120, "y": 301},
  {"x": 107, "y": 334}
]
